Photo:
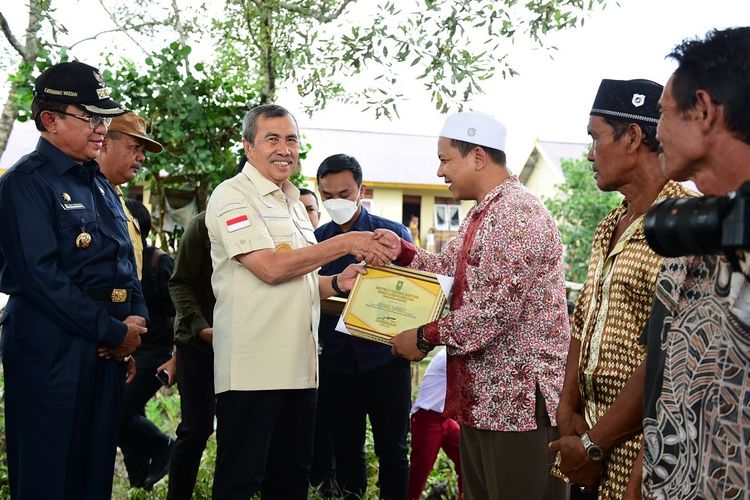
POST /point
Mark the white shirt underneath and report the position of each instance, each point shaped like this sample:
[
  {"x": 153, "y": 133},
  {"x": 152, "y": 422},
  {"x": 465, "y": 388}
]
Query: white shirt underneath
[{"x": 432, "y": 389}]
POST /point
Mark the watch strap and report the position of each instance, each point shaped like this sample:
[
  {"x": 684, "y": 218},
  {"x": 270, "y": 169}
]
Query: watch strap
[
  {"x": 335, "y": 285},
  {"x": 422, "y": 344}
]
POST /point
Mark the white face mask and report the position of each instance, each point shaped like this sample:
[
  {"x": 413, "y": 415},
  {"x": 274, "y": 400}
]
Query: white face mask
[{"x": 340, "y": 210}]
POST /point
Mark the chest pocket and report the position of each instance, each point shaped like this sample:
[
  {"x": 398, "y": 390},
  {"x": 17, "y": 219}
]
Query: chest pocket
[
  {"x": 302, "y": 221},
  {"x": 279, "y": 224},
  {"x": 78, "y": 218},
  {"x": 116, "y": 209},
  {"x": 71, "y": 223}
]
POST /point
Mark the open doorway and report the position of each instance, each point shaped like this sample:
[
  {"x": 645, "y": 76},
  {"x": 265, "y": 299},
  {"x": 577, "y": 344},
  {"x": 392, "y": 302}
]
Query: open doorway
[{"x": 412, "y": 206}]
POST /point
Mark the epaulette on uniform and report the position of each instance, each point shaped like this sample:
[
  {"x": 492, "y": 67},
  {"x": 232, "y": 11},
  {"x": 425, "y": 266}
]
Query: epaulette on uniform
[{"x": 27, "y": 163}]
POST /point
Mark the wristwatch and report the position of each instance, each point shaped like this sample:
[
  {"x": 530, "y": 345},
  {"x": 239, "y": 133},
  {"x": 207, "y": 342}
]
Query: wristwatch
[
  {"x": 594, "y": 451},
  {"x": 422, "y": 344}
]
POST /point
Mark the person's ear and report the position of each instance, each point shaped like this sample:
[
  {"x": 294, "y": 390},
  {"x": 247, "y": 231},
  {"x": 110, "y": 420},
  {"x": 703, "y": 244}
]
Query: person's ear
[
  {"x": 480, "y": 158},
  {"x": 247, "y": 147},
  {"x": 49, "y": 120},
  {"x": 635, "y": 137},
  {"x": 706, "y": 111}
]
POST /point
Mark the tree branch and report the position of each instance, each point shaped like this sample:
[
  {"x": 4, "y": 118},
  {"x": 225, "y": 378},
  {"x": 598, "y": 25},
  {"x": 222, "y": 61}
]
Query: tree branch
[
  {"x": 10, "y": 37},
  {"x": 121, "y": 27},
  {"x": 318, "y": 16},
  {"x": 249, "y": 23},
  {"x": 113, "y": 30}
]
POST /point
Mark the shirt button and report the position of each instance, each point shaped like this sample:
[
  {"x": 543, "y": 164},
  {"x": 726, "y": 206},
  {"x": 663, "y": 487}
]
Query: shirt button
[{"x": 243, "y": 241}]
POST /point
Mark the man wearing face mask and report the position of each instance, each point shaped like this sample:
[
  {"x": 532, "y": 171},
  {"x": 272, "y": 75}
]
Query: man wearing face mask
[{"x": 359, "y": 378}]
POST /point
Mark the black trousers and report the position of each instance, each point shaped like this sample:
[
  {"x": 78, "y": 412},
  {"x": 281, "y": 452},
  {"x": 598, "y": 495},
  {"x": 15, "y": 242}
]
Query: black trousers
[
  {"x": 323, "y": 468},
  {"x": 265, "y": 441},
  {"x": 195, "y": 380},
  {"x": 140, "y": 439},
  {"x": 347, "y": 399}
]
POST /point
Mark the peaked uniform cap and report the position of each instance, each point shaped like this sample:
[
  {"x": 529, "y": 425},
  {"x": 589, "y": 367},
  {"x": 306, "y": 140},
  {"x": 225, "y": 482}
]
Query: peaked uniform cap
[
  {"x": 134, "y": 125},
  {"x": 80, "y": 84}
]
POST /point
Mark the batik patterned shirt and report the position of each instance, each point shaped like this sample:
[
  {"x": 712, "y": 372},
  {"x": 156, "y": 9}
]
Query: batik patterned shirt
[
  {"x": 507, "y": 332},
  {"x": 696, "y": 423},
  {"x": 611, "y": 312}
]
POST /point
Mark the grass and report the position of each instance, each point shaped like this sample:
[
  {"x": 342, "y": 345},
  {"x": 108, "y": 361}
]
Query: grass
[{"x": 164, "y": 410}]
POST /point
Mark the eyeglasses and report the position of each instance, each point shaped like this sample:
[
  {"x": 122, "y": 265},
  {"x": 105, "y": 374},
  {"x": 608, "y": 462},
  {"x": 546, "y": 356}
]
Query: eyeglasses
[{"x": 93, "y": 121}]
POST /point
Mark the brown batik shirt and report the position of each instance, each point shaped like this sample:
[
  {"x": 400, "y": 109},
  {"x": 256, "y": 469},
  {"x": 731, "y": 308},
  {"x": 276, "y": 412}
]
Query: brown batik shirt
[{"x": 611, "y": 313}]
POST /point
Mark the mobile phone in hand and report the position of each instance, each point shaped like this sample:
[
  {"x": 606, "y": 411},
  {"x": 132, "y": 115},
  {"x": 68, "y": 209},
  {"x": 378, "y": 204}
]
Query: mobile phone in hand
[{"x": 163, "y": 377}]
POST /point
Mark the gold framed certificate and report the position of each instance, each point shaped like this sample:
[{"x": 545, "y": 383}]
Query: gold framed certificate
[{"x": 388, "y": 300}]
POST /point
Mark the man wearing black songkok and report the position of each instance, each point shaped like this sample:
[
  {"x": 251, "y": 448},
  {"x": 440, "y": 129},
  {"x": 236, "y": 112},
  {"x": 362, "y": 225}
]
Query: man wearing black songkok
[{"x": 599, "y": 415}]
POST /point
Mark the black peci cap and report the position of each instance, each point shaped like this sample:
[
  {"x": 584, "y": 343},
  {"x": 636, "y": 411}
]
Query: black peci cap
[
  {"x": 628, "y": 100},
  {"x": 80, "y": 84}
]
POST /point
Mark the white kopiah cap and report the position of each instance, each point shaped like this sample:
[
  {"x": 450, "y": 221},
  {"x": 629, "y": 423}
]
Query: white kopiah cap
[{"x": 475, "y": 128}]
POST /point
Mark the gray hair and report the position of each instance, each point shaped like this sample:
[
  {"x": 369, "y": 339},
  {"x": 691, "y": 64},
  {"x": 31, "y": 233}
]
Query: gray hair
[{"x": 250, "y": 121}]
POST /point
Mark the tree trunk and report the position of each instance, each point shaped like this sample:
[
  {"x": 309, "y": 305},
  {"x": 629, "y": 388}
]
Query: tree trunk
[
  {"x": 7, "y": 118},
  {"x": 37, "y": 11},
  {"x": 268, "y": 64}
]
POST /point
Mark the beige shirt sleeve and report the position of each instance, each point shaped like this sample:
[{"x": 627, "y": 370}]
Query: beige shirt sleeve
[{"x": 237, "y": 225}]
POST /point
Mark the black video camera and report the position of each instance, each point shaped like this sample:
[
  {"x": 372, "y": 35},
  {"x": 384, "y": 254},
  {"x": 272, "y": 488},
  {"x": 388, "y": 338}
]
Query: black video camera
[{"x": 700, "y": 226}]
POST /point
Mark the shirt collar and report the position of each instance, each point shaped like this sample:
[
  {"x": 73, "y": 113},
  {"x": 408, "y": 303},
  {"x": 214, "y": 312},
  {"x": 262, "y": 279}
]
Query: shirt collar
[
  {"x": 495, "y": 192},
  {"x": 265, "y": 186},
  {"x": 61, "y": 162},
  {"x": 363, "y": 221}
]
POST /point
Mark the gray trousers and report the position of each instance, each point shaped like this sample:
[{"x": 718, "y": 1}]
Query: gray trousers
[{"x": 511, "y": 465}]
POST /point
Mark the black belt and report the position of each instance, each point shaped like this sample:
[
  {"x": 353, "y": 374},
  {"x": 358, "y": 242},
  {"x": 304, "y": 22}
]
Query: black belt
[{"x": 117, "y": 295}]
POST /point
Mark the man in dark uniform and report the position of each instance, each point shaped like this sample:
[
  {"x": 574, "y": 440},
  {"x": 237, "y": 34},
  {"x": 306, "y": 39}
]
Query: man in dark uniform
[
  {"x": 359, "y": 378},
  {"x": 76, "y": 310}
]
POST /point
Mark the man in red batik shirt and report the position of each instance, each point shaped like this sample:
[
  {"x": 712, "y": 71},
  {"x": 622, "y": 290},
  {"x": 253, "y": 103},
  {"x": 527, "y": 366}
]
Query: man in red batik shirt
[{"x": 507, "y": 332}]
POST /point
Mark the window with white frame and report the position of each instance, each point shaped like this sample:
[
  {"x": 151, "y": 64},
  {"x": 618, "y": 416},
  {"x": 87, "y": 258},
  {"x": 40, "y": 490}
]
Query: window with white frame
[{"x": 447, "y": 217}]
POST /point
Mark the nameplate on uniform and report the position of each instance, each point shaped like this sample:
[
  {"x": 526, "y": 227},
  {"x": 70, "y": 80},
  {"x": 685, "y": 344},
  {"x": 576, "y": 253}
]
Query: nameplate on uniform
[{"x": 73, "y": 206}]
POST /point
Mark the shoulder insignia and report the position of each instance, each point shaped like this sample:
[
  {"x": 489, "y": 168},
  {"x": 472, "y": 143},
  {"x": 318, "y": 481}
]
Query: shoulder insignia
[
  {"x": 29, "y": 162},
  {"x": 231, "y": 204},
  {"x": 239, "y": 222}
]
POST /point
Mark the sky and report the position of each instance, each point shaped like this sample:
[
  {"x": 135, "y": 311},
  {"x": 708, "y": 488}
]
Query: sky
[{"x": 551, "y": 97}]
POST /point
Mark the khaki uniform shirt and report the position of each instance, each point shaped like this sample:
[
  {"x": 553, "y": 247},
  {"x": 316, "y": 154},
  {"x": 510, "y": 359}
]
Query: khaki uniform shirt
[
  {"x": 134, "y": 231},
  {"x": 265, "y": 336}
]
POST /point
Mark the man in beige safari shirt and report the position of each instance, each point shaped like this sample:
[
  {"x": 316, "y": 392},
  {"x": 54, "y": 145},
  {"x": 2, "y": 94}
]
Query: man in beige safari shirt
[{"x": 264, "y": 255}]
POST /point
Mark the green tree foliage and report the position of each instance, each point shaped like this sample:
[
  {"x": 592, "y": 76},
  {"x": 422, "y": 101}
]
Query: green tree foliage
[
  {"x": 346, "y": 50},
  {"x": 356, "y": 51},
  {"x": 194, "y": 111},
  {"x": 578, "y": 207}
]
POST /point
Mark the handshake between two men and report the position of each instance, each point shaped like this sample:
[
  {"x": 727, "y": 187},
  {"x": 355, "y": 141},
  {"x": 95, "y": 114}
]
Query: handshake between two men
[{"x": 377, "y": 248}]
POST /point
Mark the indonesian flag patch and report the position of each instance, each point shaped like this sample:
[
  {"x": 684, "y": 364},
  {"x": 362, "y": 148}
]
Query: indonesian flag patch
[{"x": 237, "y": 223}]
